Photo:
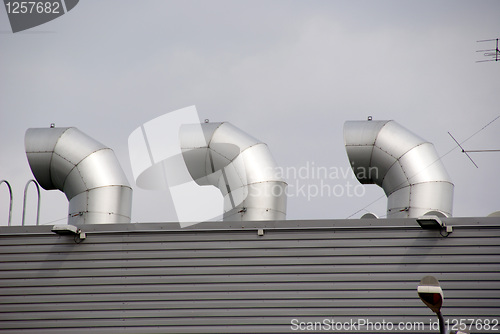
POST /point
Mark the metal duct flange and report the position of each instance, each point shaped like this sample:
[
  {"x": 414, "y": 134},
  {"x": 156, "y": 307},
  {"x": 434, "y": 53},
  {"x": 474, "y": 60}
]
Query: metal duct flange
[
  {"x": 85, "y": 170},
  {"x": 406, "y": 166}
]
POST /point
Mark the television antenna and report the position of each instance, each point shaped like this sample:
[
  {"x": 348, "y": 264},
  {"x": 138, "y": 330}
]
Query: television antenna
[
  {"x": 492, "y": 54},
  {"x": 474, "y": 151}
]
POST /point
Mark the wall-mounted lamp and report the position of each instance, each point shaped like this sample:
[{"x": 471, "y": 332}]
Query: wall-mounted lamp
[
  {"x": 432, "y": 222},
  {"x": 69, "y": 230}
]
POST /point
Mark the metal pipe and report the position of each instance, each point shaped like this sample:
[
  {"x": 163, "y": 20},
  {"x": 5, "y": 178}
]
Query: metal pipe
[
  {"x": 38, "y": 202},
  {"x": 85, "y": 170},
  {"x": 441, "y": 322},
  {"x": 406, "y": 166},
  {"x": 240, "y": 166},
  {"x": 10, "y": 205}
]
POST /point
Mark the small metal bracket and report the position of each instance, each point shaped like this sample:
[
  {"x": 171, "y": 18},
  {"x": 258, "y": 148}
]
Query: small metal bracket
[
  {"x": 80, "y": 236},
  {"x": 260, "y": 232}
]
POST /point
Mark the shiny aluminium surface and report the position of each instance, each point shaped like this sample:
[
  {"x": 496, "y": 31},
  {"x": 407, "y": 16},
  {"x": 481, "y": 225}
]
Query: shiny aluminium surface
[
  {"x": 85, "y": 170},
  {"x": 405, "y": 165},
  {"x": 240, "y": 166}
]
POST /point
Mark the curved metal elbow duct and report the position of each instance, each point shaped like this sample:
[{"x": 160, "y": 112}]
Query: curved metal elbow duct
[
  {"x": 406, "y": 166},
  {"x": 240, "y": 166},
  {"x": 85, "y": 170}
]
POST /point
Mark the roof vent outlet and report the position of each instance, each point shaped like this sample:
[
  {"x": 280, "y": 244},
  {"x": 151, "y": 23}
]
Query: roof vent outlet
[
  {"x": 84, "y": 169},
  {"x": 240, "y": 166},
  {"x": 406, "y": 166}
]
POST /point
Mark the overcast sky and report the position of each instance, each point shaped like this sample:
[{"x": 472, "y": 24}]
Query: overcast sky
[{"x": 290, "y": 73}]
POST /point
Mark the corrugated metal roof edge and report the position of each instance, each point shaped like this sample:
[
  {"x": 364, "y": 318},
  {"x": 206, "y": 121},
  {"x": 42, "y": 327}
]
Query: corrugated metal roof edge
[{"x": 335, "y": 224}]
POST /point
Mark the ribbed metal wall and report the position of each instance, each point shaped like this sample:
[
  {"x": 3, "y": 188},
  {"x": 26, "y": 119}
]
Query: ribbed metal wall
[{"x": 225, "y": 278}]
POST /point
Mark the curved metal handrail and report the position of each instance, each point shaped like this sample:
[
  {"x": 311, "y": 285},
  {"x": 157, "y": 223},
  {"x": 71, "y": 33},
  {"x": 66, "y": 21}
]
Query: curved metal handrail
[
  {"x": 10, "y": 194},
  {"x": 24, "y": 201}
]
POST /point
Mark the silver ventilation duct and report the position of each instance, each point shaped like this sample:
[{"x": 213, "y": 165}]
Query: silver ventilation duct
[
  {"x": 406, "y": 166},
  {"x": 85, "y": 170},
  {"x": 240, "y": 166}
]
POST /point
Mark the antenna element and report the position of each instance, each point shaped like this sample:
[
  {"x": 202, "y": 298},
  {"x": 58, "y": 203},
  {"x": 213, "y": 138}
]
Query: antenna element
[{"x": 493, "y": 54}]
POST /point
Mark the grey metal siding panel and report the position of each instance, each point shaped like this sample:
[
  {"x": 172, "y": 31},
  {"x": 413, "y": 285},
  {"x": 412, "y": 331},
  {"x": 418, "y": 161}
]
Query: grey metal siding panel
[{"x": 220, "y": 281}]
